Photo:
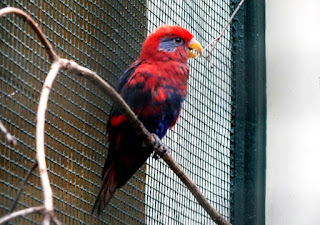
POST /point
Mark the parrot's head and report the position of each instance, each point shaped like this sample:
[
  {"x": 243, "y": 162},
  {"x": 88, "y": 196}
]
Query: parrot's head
[{"x": 170, "y": 43}]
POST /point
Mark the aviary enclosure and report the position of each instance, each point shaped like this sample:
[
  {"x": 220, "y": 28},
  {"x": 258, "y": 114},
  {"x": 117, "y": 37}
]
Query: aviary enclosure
[{"x": 219, "y": 140}]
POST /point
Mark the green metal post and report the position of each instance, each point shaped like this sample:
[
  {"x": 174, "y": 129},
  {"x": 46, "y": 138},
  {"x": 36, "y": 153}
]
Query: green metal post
[{"x": 249, "y": 116}]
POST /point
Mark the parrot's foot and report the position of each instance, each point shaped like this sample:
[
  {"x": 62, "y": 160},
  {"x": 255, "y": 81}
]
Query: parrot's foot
[{"x": 157, "y": 144}]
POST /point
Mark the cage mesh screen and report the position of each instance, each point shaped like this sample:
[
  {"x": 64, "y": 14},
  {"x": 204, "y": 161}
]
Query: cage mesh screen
[{"x": 106, "y": 36}]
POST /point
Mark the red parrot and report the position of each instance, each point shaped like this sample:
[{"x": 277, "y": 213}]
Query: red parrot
[{"x": 154, "y": 87}]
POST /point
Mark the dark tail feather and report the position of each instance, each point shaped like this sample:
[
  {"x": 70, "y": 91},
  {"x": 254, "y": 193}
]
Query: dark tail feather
[{"x": 107, "y": 190}]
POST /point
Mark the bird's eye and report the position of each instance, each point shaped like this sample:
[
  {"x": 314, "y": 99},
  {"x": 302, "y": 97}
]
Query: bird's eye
[{"x": 178, "y": 40}]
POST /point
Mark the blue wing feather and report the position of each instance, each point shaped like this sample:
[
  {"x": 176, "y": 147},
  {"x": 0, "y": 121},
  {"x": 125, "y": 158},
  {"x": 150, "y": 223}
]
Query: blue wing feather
[{"x": 127, "y": 74}]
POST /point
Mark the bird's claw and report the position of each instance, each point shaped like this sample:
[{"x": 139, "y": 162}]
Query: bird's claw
[
  {"x": 164, "y": 153},
  {"x": 157, "y": 141},
  {"x": 157, "y": 144}
]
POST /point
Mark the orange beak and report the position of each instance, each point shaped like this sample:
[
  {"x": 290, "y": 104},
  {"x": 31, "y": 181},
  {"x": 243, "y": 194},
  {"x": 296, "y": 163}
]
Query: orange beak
[{"x": 194, "y": 45}]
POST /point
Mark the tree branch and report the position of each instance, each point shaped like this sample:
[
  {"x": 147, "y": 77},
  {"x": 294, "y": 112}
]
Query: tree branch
[
  {"x": 11, "y": 139},
  {"x": 40, "y": 155},
  {"x": 24, "y": 212}
]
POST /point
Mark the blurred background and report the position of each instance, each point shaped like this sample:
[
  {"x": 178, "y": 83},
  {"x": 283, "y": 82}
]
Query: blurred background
[{"x": 293, "y": 103}]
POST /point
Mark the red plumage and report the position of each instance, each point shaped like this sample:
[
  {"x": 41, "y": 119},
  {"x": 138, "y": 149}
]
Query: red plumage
[{"x": 154, "y": 87}]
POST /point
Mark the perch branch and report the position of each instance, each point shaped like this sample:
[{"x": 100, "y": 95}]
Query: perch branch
[
  {"x": 216, "y": 40},
  {"x": 10, "y": 138},
  {"x": 24, "y": 212},
  {"x": 40, "y": 155}
]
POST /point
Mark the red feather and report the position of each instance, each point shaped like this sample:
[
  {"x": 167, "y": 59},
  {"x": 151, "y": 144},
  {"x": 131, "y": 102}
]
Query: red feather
[{"x": 117, "y": 120}]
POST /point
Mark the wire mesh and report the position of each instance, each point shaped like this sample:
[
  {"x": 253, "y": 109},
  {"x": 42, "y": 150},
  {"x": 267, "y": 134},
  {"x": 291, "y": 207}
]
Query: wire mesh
[{"x": 106, "y": 37}]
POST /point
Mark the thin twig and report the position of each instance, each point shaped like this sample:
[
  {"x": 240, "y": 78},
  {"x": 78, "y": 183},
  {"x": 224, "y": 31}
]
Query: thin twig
[
  {"x": 216, "y": 40},
  {"x": 24, "y": 212},
  {"x": 10, "y": 138},
  {"x": 35, "y": 27},
  {"x": 23, "y": 185}
]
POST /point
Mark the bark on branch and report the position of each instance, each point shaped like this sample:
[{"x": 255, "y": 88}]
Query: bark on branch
[{"x": 24, "y": 212}]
